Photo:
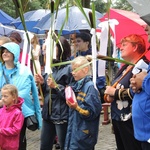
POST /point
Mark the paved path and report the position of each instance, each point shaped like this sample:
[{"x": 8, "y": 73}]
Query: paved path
[{"x": 106, "y": 139}]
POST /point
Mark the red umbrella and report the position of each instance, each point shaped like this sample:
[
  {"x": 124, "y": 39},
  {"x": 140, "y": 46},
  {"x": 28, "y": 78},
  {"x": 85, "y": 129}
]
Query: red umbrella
[{"x": 129, "y": 23}]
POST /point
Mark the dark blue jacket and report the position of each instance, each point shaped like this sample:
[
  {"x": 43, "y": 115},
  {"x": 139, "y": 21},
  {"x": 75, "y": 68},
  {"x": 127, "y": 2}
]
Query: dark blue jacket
[
  {"x": 121, "y": 109},
  {"x": 83, "y": 130},
  {"x": 55, "y": 107}
]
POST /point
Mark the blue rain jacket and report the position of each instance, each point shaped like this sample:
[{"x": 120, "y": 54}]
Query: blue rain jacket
[
  {"x": 82, "y": 132},
  {"x": 141, "y": 111}
]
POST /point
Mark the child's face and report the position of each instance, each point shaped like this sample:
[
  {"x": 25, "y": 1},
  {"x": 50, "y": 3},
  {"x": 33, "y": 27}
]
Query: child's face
[
  {"x": 7, "y": 98},
  {"x": 79, "y": 74}
]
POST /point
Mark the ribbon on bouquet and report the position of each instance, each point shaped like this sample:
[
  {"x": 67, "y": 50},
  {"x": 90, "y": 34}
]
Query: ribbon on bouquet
[
  {"x": 94, "y": 55},
  {"x": 104, "y": 43},
  {"x": 26, "y": 49}
]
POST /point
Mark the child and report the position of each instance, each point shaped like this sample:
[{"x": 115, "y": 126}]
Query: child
[
  {"x": 11, "y": 118},
  {"x": 84, "y": 114}
]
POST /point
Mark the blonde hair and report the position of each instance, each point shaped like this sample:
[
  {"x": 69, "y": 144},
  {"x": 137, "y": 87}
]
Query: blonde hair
[
  {"x": 82, "y": 62},
  {"x": 35, "y": 40},
  {"x": 12, "y": 90}
]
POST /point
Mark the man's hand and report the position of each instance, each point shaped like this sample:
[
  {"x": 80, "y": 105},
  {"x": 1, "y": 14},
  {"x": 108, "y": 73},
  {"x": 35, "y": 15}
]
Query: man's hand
[{"x": 136, "y": 81}]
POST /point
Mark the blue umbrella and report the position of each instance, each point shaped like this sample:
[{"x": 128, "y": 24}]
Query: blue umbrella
[
  {"x": 76, "y": 20},
  {"x": 5, "y": 19},
  {"x": 31, "y": 19}
]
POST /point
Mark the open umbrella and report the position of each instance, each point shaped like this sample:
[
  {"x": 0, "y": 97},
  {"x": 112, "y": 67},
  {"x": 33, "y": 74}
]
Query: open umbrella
[
  {"x": 5, "y": 19},
  {"x": 129, "y": 23},
  {"x": 142, "y": 8},
  {"x": 76, "y": 20},
  {"x": 31, "y": 19},
  {"x": 7, "y": 30}
]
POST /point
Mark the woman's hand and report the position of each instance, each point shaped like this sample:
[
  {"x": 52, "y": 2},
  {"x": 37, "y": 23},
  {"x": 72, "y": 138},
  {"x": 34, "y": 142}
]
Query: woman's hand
[
  {"x": 109, "y": 94},
  {"x": 110, "y": 90},
  {"x": 51, "y": 83},
  {"x": 38, "y": 79}
]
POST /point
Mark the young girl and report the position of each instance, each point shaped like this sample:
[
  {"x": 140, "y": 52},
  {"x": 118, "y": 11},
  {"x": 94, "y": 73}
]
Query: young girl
[
  {"x": 84, "y": 115},
  {"x": 11, "y": 118}
]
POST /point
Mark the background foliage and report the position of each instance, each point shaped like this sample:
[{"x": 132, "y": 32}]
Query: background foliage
[{"x": 100, "y": 5}]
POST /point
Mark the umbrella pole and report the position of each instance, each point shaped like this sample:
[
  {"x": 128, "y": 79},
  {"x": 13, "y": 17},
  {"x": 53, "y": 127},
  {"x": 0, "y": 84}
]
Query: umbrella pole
[{"x": 75, "y": 50}]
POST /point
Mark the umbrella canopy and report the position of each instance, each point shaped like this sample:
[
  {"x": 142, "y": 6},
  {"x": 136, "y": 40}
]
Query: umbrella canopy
[
  {"x": 142, "y": 8},
  {"x": 129, "y": 23},
  {"x": 31, "y": 19},
  {"x": 76, "y": 20},
  {"x": 5, "y": 19},
  {"x": 6, "y": 31}
]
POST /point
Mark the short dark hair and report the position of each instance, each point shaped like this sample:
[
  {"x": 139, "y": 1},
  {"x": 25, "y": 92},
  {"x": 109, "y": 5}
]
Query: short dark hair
[{"x": 86, "y": 37}]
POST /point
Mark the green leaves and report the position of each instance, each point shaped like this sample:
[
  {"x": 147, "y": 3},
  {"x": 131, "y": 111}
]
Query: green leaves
[{"x": 110, "y": 59}]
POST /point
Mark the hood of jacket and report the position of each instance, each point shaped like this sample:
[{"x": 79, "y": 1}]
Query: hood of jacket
[
  {"x": 18, "y": 105},
  {"x": 13, "y": 48}
]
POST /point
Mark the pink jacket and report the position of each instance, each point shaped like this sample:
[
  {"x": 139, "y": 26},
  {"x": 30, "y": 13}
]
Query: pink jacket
[{"x": 11, "y": 121}]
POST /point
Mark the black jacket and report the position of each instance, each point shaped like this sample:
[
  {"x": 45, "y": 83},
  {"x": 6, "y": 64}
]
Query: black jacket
[{"x": 55, "y": 107}]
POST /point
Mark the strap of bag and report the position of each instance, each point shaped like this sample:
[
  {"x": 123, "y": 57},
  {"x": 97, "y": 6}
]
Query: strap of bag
[{"x": 7, "y": 81}]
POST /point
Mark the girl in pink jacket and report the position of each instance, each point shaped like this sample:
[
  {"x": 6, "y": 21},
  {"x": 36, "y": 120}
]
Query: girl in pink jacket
[{"x": 11, "y": 118}]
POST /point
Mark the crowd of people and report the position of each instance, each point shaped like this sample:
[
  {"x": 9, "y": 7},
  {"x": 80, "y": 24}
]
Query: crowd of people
[{"x": 76, "y": 125}]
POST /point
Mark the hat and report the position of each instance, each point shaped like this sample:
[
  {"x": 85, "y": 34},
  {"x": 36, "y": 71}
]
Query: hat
[
  {"x": 16, "y": 36},
  {"x": 13, "y": 48}
]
